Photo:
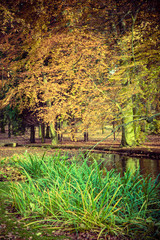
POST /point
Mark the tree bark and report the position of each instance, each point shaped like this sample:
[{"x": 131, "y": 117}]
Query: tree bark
[
  {"x": 2, "y": 126},
  {"x": 54, "y": 136},
  {"x": 32, "y": 136},
  {"x": 128, "y": 133},
  {"x": 86, "y": 136},
  {"x": 47, "y": 132},
  {"x": 58, "y": 128},
  {"x": 42, "y": 132}
]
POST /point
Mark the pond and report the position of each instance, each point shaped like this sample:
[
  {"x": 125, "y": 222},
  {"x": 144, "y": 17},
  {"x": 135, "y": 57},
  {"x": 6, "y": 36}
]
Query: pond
[{"x": 122, "y": 163}]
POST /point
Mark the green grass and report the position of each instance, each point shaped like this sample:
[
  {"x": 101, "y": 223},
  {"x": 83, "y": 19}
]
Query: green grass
[
  {"x": 61, "y": 193},
  {"x": 13, "y": 228}
]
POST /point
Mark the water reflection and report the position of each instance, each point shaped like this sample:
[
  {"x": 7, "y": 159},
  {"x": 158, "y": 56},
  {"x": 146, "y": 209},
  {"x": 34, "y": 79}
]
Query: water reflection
[{"x": 123, "y": 163}]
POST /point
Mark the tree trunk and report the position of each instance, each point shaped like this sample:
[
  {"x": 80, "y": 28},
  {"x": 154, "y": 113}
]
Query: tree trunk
[
  {"x": 139, "y": 135},
  {"x": 128, "y": 133},
  {"x": 2, "y": 126},
  {"x": 48, "y": 132},
  {"x": 32, "y": 136},
  {"x": 58, "y": 128},
  {"x": 42, "y": 132},
  {"x": 86, "y": 136},
  {"x": 54, "y": 136}
]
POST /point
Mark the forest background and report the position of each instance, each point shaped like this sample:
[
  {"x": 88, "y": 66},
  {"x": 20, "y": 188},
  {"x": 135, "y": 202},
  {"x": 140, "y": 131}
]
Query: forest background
[{"x": 81, "y": 64}]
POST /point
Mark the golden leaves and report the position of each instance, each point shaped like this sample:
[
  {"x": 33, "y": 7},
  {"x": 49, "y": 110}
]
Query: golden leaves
[{"x": 75, "y": 71}]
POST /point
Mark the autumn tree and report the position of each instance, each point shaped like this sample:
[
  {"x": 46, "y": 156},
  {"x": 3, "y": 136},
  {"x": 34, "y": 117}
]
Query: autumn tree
[
  {"x": 80, "y": 58},
  {"x": 131, "y": 68},
  {"x": 137, "y": 70}
]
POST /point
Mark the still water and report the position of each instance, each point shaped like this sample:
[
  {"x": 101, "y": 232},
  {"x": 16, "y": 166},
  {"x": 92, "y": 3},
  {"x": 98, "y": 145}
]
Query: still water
[{"x": 122, "y": 163}]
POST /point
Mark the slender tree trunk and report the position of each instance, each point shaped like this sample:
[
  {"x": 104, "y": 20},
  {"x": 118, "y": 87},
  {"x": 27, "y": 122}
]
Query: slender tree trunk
[
  {"x": 32, "y": 136},
  {"x": 47, "y": 132},
  {"x": 86, "y": 136},
  {"x": 42, "y": 132},
  {"x": 73, "y": 129},
  {"x": 2, "y": 127},
  {"x": 2, "y": 124},
  {"x": 54, "y": 135},
  {"x": 58, "y": 128}
]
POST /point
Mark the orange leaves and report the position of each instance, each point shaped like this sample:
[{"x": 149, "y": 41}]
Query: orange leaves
[
  {"x": 74, "y": 59},
  {"x": 78, "y": 65},
  {"x": 62, "y": 71}
]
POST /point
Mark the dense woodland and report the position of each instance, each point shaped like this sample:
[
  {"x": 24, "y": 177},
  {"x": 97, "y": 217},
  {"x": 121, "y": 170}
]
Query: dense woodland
[{"x": 80, "y": 64}]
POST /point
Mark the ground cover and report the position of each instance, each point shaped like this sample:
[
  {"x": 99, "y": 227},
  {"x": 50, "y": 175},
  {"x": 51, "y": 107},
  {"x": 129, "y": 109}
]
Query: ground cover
[
  {"x": 58, "y": 193},
  {"x": 12, "y": 226}
]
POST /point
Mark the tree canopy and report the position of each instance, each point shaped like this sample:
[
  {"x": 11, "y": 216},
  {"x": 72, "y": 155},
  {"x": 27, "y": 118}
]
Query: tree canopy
[{"x": 89, "y": 60}]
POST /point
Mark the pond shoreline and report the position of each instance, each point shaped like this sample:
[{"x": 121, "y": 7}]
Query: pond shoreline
[
  {"x": 139, "y": 151},
  {"x": 149, "y": 149},
  {"x": 132, "y": 152}
]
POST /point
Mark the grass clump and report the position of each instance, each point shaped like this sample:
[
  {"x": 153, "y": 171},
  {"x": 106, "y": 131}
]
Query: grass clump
[{"x": 61, "y": 193}]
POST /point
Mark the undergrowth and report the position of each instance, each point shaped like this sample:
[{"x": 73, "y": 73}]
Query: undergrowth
[{"x": 62, "y": 193}]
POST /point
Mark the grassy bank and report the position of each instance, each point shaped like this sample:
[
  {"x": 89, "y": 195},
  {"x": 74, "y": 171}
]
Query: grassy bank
[{"x": 61, "y": 193}]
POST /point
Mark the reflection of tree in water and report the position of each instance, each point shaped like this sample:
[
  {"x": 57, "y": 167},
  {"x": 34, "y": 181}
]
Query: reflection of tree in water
[
  {"x": 124, "y": 163},
  {"x": 132, "y": 165},
  {"x": 146, "y": 166},
  {"x": 127, "y": 163},
  {"x": 150, "y": 167}
]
